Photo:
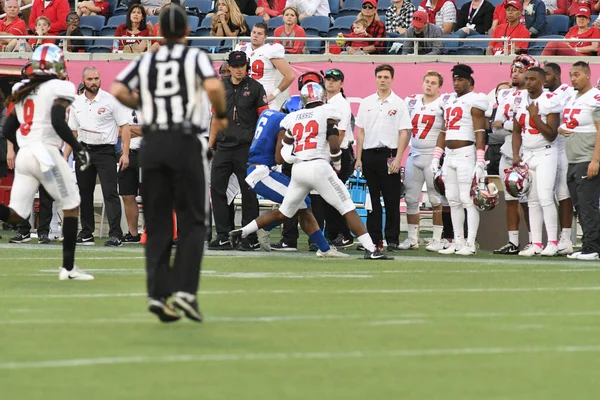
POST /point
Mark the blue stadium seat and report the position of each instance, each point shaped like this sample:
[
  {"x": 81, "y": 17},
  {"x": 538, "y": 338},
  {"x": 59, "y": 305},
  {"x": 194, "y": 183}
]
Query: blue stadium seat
[
  {"x": 153, "y": 19},
  {"x": 208, "y": 45},
  {"x": 334, "y": 7},
  {"x": 206, "y": 22},
  {"x": 96, "y": 22},
  {"x": 416, "y": 3},
  {"x": 275, "y": 22},
  {"x": 120, "y": 11},
  {"x": 470, "y": 51},
  {"x": 202, "y": 32},
  {"x": 460, "y": 3},
  {"x": 87, "y": 31},
  {"x": 382, "y": 17},
  {"x": 115, "y": 21},
  {"x": 535, "y": 51},
  {"x": 113, "y": 5},
  {"x": 253, "y": 19},
  {"x": 356, "y": 4},
  {"x": 315, "y": 46},
  {"x": 384, "y": 4},
  {"x": 482, "y": 44},
  {"x": 318, "y": 26},
  {"x": 108, "y": 31},
  {"x": 558, "y": 24},
  {"x": 543, "y": 44},
  {"x": 451, "y": 46},
  {"x": 496, "y": 3},
  {"x": 98, "y": 49},
  {"x": 341, "y": 24}
]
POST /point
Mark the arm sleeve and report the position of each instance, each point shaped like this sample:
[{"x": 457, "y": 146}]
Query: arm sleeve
[
  {"x": 9, "y": 130},
  {"x": 61, "y": 127},
  {"x": 299, "y": 44},
  {"x": 73, "y": 122},
  {"x": 62, "y": 10},
  {"x": 121, "y": 113}
]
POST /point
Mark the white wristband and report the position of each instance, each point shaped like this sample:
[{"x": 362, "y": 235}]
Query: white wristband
[{"x": 276, "y": 92}]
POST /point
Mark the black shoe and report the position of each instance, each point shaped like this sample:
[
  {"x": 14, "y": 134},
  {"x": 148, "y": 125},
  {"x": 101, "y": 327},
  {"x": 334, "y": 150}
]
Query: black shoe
[
  {"x": 85, "y": 240},
  {"x": 189, "y": 305},
  {"x": 283, "y": 246},
  {"x": 19, "y": 238},
  {"x": 130, "y": 239},
  {"x": 341, "y": 242},
  {"x": 175, "y": 242},
  {"x": 247, "y": 245},
  {"x": 113, "y": 242},
  {"x": 393, "y": 247},
  {"x": 235, "y": 237},
  {"x": 312, "y": 247},
  {"x": 508, "y": 249},
  {"x": 220, "y": 244},
  {"x": 360, "y": 247},
  {"x": 44, "y": 239},
  {"x": 164, "y": 311},
  {"x": 377, "y": 255}
]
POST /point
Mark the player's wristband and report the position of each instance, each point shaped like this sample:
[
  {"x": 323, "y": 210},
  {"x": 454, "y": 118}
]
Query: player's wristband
[
  {"x": 276, "y": 92},
  {"x": 221, "y": 115},
  {"x": 480, "y": 156},
  {"x": 437, "y": 153},
  {"x": 478, "y": 130},
  {"x": 289, "y": 135},
  {"x": 339, "y": 153}
]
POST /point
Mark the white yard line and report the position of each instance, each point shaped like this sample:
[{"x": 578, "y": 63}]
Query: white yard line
[{"x": 241, "y": 357}]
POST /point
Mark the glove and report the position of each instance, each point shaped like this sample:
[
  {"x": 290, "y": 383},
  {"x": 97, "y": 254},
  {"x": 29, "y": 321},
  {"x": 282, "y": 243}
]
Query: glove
[
  {"x": 287, "y": 152},
  {"x": 83, "y": 158},
  {"x": 435, "y": 165},
  {"x": 479, "y": 170},
  {"x": 337, "y": 165}
]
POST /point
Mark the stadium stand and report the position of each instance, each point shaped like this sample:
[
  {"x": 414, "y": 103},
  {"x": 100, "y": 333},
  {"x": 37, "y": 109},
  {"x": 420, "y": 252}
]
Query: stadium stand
[
  {"x": 96, "y": 22},
  {"x": 317, "y": 26}
]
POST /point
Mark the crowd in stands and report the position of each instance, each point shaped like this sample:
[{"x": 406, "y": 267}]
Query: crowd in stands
[{"x": 436, "y": 20}]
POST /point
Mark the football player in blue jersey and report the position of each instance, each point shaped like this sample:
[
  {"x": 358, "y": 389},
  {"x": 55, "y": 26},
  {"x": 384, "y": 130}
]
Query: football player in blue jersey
[{"x": 265, "y": 155}]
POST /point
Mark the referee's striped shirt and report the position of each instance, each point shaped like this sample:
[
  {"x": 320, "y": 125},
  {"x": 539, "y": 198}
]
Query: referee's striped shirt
[{"x": 170, "y": 84}]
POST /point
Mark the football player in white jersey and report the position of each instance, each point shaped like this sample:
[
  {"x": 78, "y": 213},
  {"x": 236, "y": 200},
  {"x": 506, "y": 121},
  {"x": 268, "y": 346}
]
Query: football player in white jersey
[
  {"x": 265, "y": 60},
  {"x": 535, "y": 127},
  {"x": 503, "y": 123},
  {"x": 581, "y": 126},
  {"x": 427, "y": 114},
  {"x": 464, "y": 142},
  {"x": 38, "y": 125},
  {"x": 311, "y": 143},
  {"x": 565, "y": 205}
]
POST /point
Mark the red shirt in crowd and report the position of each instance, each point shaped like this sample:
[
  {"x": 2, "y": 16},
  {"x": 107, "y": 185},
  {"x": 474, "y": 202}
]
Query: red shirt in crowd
[
  {"x": 573, "y": 33},
  {"x": 56, "y": 12},
  {"x": 122, "y": 31},
  {"x": 17, "y": 27},
  {"x": 519, "y": 31},
  {"x": 573, "y": 6},
  {"x": 357, "y": 43},
  {"x": 377, "y": 30},
  {"x": 291, "y": 46},
  {"x": 104, "y": 7},
  {"x": 276, "y": 11},
  {"x": 33, "y": 42}
]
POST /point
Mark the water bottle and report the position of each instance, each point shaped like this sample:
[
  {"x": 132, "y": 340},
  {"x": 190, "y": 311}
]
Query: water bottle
[
  {"x": 115, "y": 46},
  {"x": 22, "y": 46}
]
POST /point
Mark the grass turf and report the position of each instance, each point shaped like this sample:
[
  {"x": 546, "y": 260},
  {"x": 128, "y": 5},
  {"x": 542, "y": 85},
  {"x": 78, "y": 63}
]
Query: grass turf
[{"x": 289, "y": 326}]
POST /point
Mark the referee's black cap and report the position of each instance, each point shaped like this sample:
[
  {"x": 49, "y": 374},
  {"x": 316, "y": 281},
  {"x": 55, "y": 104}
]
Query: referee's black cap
[{"x": 173, "y": 22}]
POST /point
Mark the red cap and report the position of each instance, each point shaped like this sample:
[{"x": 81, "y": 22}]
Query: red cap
[
  {"x": 515, "y": 4},
  {"x": 583, "y": 12},
  {"x": 419, "y": 19},
  {"x": 372, "y": 2}
]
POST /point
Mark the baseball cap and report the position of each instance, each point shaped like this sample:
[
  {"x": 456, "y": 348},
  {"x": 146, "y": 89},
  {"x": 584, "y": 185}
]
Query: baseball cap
[
  {"x": 419, "y": 19},
  {"x": 372, "y": 2},
  {"x": 582, "y": 12},
  {"x": 237, "y": 59},
  {"x": 334, "y": 74},
  {"x": 515, "y": 4},
  {"x": 173, "y": 21}
]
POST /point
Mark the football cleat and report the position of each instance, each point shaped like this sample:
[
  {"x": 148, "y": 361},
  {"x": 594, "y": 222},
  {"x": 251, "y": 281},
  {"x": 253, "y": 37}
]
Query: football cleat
[
  {"x": 530, "y": 250},
  {"x": 565, "y": 246},
  {"x": 466, "y": 250},
  {"x": 263, "y": 240},
  {"x": 409, "y": 244},
  {"x": 437, "y": 245},
  {"x": 508, "y": 249},
  {"x": 331, "y": 253},
  {"x": 165, "y": 312},
  {"x": 550, "y": 250},
  {"x": 588, "y": 254},
  {"x": 376, "y": 255},
  {"x": 283, "y": 246},
  {"x": 188, "y": 303},
  {"x": 73, "y": 275},
  {"x": 449, "y": 250}
]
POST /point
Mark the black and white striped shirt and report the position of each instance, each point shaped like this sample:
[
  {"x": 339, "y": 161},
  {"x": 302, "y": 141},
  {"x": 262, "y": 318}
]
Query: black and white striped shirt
[{"x": 170, "y": 85}]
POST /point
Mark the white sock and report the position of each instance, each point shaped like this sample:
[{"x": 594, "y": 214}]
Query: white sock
[
  {"x": 367, "y": 242},
  {"x": 513, "y": 237},
  {"x": 551, "y": 221},
  {"x": 249, "y": 229},
  {"x": 413, "y": 232},
  {"x": 457, "y": 213},
  {"x": 437, "y": 232},
  {"x": 566, "y": 232},
  {"x": 472, "y": 224},
  {"x": 530, "y": 238},
  {"x": 536, "y": 222}
]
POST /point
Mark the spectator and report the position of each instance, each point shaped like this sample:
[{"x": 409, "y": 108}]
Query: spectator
[
  {"x": 12, "y": 25},
  {"x": 573, "y": 6},
  {"x": 359, "y": 30},
  {"x": 229, "y": 20},
  {"x": 474, "y": 18},
  {"x": 512, "y": 29},
  {"x": 499, "y": 16},
  {"x": 558, "y": 7},
  {"x": 535, "y": 17},
  {"x": 135, "y": 26},
  {"x": 441, "y": 13},
  {"x": 581, "y": 30},
  {"x": 73, "y": 45},
  {"x": 56, "y": 11},
  {"x": 399, "y": 16},
  {"x": 290, "y": 28},
  {"x": 376, "y": 28},
  {"x": 420, "y": 28},
  {"x": 152, "y": 7},
  {"x": 270, "y": 8},
  {"x": 42, "y": 26},
  {"x": 156, "y": 43},
  {"x": 93, "y": 7},
  {"x": 310, "y": 8}
]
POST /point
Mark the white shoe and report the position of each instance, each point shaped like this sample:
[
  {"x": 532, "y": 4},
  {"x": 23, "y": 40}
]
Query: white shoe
[
  {"x": 409, "y": 244},
  {"x": 332, "y": 253},
  {"x": 73, "y": 275},
  {"x": 550, "y": 250},
  {"x": 530, "y": 250},
  {"x": 437, "y": 245},
  {"x": 451, "y": 249},
  {"x": 574, "y": 256},
  {"x": 565, "y": 246},
  {"x": 588, "y": 255},
  {"x": 466, "y": 250}
]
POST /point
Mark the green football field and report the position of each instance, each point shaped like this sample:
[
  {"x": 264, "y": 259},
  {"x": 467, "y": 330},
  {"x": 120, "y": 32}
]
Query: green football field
[{"x": 290, "y": 326}]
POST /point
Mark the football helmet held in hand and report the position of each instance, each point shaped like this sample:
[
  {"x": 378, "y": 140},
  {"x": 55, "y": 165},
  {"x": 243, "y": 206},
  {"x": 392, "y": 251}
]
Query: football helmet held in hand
[
  {"x": 517, "y": 180},
  {"x": 484, "y": 194},
  {"x": 438, "y": 182}
]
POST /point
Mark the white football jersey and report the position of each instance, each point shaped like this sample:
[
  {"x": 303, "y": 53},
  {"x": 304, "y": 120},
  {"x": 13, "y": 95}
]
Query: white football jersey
[
  {"x": 459, "y": 122},
  {"x": 34, "y": 112},
  {"x": 261, "y": 67},
  {"x": 427, "y": 121},
  {"x": 564, "y": 92},
  {"x": 505, "y": 113},
  {"x": 309, "y": 127},
  {"x": 548, "y": 103},
  {"x": 577, "y": 115}
]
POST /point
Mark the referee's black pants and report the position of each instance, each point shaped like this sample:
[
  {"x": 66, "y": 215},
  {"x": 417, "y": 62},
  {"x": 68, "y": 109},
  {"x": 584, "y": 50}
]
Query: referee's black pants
[
  {"x": 226, "y": 162},
  {"x": 173, "y": 171},
  {"x": 380, "y": 183},
  {"x": 103, "y": 164}
]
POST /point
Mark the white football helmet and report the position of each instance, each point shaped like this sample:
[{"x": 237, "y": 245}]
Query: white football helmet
[
  {"x": 484, "y": 193},
  {"x": 48, "y": 60},
  {"x": 517, "y": 180},
  {"x": 312, "y": 93},
  {"x": 438, "y": 183}
]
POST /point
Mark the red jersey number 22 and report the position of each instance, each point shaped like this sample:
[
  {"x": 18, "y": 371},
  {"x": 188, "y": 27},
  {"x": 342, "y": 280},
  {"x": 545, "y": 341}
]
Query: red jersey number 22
[
  {"x": 305, "y": 142},
  {"x": 28, "y": 109}
]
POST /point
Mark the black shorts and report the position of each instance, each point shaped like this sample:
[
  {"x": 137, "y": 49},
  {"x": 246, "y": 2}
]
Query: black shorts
[{"x": 129, "y": 178}]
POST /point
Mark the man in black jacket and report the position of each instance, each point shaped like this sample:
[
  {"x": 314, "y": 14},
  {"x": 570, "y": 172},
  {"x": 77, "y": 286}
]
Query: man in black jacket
[{"x": 246, "y": 99}]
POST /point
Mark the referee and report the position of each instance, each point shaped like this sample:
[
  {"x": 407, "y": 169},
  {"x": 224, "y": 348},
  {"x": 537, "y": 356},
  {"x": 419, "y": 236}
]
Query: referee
[{"x": 173, "y": 159}]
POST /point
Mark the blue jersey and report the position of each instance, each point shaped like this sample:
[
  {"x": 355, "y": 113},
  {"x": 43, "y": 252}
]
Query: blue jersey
[{"x": 263, "y": 146}]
